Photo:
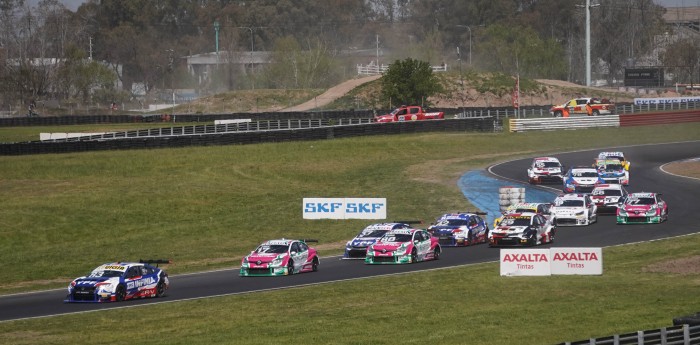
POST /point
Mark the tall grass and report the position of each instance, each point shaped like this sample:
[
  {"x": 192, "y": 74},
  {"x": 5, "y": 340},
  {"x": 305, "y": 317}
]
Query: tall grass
[{"x": 205, "y": 207}]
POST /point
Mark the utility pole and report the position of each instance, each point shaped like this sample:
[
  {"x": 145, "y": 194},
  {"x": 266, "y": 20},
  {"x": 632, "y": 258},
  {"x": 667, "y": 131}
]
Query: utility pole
[
  {"x": 379, "y": 69},
  {"x": 90, "y": 37},
  {"x": 588, "y": 40}
]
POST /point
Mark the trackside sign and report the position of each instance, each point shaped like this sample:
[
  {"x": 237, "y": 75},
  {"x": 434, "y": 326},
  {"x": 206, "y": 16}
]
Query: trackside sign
[
  {"x": 344, "y": 208},
  {"x": 558, "y": 261}
]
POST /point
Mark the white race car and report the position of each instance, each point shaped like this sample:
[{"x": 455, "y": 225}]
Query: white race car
[
  {"x": 574, "y": 209},
  {"x": 545, "y": 169},
  {"x": 607, "y": 197}
]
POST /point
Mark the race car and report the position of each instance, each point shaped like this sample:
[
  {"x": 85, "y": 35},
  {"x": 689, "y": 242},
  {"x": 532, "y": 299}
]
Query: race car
[
  {"x": 615, "y": 155},
  {"x": 642, "y": 208},
  {"x": 574, "y": 209},
  {"x": 577, "y": 106},
  {"x": 120, "y": 281},
  {"x": 545, "y": 169},
  {"x": 543, "y": 208},
  {"x": 357, "y": 247},
  {"x": 612, "y": 170},
  {"x": 280, "y": 258},
  {"x": 607, "y": 197},
  {"x": 522, "y": 229},
  {"x": 581, "y": 180},
  {"x": 404, "y": 246},
  {"x": 460, "y": 229}
]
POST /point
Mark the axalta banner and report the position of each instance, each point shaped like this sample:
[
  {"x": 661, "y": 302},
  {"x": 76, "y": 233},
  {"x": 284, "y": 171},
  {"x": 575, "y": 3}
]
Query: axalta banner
[
  {"x": 344, "y": 208},
  {"x": 558, "y": 261}
]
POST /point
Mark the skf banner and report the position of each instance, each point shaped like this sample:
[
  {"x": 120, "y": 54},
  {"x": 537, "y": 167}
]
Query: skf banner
[
  {"x": 558, "y": 261},
  {"x": 344, "y": 208}
]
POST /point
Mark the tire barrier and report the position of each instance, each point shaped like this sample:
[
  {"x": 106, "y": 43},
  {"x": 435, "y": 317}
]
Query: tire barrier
[
  {"x": 508, "y": 196},
  {"x": 451, "y": 125},
  {"x": 692, "y": 320}
]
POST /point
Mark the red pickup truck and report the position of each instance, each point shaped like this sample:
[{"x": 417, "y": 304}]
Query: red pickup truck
[{"x": 409, "y": 113}]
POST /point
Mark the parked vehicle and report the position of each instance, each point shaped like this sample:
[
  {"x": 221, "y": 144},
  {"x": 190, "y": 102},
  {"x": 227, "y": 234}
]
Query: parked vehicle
[{"x": 409, "y": 113}]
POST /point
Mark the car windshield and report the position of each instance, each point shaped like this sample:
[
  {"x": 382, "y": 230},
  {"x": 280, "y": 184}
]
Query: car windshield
[
  {"x": 613, "y": 167},
  {"x": 641, "y": 201},
  {"x": 515, "y": 221},
  {"x": 609, "y": 192},
  {"x": 396, "y": 238},
  {"x": 584, "y": 174},
  {"x": 374, "y": 233},
  {"x": 105, "y": 273},
  {"x": 453, "y": 222},
  {"x": 272, "y": 249},
  {"x": 570, "y": 203},
  {"x": 548, "y": 165}
]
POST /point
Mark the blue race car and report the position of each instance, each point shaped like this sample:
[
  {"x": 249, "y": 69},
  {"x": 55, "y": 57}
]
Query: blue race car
[
  {"x": 460, "y": 229},
  {"x": 120, "y": 281},
  {"x": 581, "y": 180},
  {"x": 357, "y": 247}
]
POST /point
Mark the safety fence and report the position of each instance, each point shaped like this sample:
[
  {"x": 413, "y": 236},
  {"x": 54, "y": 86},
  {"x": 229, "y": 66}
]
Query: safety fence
[
  {"x": 251, "y": 126},
  {"x": 574, "y": 122},
  {"x": 253, "y": 137},
  {"x": 675, "y": 335}
]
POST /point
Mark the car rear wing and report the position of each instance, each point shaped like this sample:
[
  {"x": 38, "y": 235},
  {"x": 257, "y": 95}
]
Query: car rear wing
[
  {"x": 408, "y": 221},
  {"x": 474, "y": 212},
  {"x": 309, "y": 240},
  {"x": 154, "y": 261}
]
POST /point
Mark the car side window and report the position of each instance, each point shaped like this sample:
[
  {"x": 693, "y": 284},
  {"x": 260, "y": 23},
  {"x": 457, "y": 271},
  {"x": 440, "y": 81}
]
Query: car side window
[
  {"x": 303, "y": 247},
  {"x": 295, "y": 247}
]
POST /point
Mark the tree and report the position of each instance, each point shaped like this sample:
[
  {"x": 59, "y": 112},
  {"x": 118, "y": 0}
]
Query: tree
[
  {"x": 409, "y": 82},
  {"x": 683, "y": 59}
]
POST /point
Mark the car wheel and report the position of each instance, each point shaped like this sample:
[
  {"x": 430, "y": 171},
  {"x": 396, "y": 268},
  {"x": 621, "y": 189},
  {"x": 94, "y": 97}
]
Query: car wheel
[
  {"x": 557, "y": 113},
  {"x": 160, "y": 288},
  {"x": 314, "y": 265},
  {"x": 470, "y": 238},
  {"x": 414, "y": 255},
  {"x": 120, "y": 293},
  {"x": 436, "y": 253},
  {"x": 290, "y": 267},
  {"x": 596, "y": 112}
]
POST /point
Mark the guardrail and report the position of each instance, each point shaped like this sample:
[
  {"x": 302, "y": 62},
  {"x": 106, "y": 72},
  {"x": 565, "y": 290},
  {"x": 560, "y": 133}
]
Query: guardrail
[
  {"x": 574, "y": 122},
  {"x": 645, "y": 108},
  {"x": 676, "y": 335},
  {"x": 252, "y": 126}
]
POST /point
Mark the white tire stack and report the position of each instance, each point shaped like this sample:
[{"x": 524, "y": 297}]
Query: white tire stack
[{"x": 510, "y": 196}]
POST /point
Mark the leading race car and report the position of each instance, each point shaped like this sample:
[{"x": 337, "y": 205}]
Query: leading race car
[
  {"x": 279, "y": 258},
  {"x": 574, "y": 209},
  {"x": 120, "y": 281},
  {"x": 615, "y": 155},
  {"x": 607, "y": 197},
  {"x": 404, "y": 246},
  {"x": 581, "y": 180},
  {"x": 460, "y": 229},
  {"x": 522, "y": 229},
  {"x": 357, "y": 247},
  {"x": 612, "y": 170},
  {"x": 544, "y": 170},
  {"x": 642, "y": 208}
]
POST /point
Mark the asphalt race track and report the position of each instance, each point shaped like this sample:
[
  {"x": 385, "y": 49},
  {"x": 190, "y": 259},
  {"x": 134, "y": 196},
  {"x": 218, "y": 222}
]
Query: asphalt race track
[{"x": 645, "y": 175}]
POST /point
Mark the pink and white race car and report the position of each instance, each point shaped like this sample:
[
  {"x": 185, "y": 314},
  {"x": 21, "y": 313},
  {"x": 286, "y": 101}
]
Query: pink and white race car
[
  {"x": 280, "y": 258},
  {"x": 404, "y": 246}
]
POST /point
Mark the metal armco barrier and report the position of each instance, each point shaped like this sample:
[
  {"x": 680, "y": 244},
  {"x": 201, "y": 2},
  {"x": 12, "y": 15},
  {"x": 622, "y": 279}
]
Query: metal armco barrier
[
  {"x": 253, "y": 137},
  {"x": 642, "y": 119},
  {"x": 676, "y": 335},
  {"x": 575, "y": 122}
]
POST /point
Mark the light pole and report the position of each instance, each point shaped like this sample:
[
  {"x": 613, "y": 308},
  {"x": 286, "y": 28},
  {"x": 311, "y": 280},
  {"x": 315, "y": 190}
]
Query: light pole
[
  {"x": 216, "y": 30},
  {"x": 252, "y": 48},
  {"x": 470, "y": 41}
]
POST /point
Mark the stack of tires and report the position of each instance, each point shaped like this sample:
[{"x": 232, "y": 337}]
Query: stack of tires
[
  {"x": 691, "y": 320},
  {"x": 510, "y": 196}
]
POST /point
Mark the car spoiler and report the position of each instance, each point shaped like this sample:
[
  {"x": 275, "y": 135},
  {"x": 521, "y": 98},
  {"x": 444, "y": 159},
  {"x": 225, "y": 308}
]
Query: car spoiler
[
  {"x": 154, "y": 261},
  {"x": 408, "y": 221},
  {"x": 475, "y": 212},
  {"x": 308, "y": 240}
]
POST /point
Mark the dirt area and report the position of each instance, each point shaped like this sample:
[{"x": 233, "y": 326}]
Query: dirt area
[
  {"x": 332, "y": 94},
  {"x": 685, "y": 266},
  {"x": 687, "y": 168}
]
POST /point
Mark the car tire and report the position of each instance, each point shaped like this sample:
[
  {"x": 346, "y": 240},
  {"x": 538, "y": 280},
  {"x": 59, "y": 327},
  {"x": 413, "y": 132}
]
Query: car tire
[
  {"x": 414, "y": 255},
  {"x": 290, "y": 267},
  {"x": 596, "y": 112},
  {"x": 160, "y": 288},
  {"x": 314, "y": 265},
  {"x": 558, "y": 113},
  {"x": 120, "y": 293},
  {"x": 436, "y": 253}
]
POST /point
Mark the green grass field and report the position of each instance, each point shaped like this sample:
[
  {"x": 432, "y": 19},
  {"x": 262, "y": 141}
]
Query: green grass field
[{"x": 206, "y": 207}]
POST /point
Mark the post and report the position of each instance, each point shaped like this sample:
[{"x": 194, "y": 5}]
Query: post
[
  {"x": 216, "y": 30},
  {"x": 588, "y": 42}
]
